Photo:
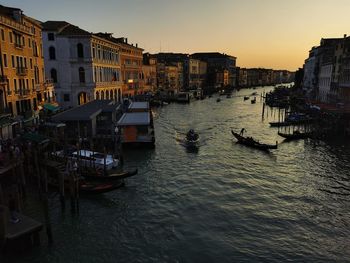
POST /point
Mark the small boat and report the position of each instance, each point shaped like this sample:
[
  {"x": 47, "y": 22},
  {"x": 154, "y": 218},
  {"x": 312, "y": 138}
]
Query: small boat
[
  {"x": 254, "y": 93},
  {"x": 295, "y": 135},
  {"x": 86, "y": 186},
  {"x": 91, "y": 159},
  {"x": 249, "y": 141},
  {"x": 192, "y": 138},
  {"x": 290, "y": 122},
  {"x": 99, "y": 175},
  {"x": 228, "y": 96},
  {"x": 253, "y": 100},
  {"x": 99, "y": 188},
  {"x": 246, "y": 97},
  {"x": 218, "y": 100}
]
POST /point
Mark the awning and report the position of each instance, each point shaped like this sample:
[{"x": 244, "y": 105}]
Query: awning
[
  {"x": 51, "y": 107},
  {"x": 35, "y": 137},
  {"x": 6, "y": 122},
  {"x": 134, "y": 119}
]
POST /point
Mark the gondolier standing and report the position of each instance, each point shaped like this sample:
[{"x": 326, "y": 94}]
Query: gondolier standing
[{"x": 242, "y": 131}]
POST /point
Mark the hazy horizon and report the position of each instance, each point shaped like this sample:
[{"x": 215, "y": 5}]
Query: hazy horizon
[{"x": 268, "y": 34}]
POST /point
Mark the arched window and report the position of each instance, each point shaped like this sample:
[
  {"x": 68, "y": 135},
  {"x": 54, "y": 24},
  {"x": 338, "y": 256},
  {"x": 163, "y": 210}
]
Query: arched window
[
  {"x": 81, "y": 75},
  {"x": 102, "y": 95},
  {"x": 119, "y": 95},
  {"x": 107, "y": 95},
  {"x": 97, "y": 95},
  {"x": 53, "y": 73},
  {"x": 52, "y": 53},
  {"x": 80, "y": 50}
]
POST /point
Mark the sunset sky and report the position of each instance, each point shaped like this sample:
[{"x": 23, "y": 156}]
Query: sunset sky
[{"x": 260, "y": 33}]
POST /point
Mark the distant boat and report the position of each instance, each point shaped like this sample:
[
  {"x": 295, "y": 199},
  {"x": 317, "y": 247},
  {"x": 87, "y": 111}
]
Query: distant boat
[
  {"x": 218, "y": 100},
  {"x": 295, "y": 135},
  {"x": 246, "y": 97},
  {"x": 228, "y": 96},
  {"x": 253, "y": 101}
]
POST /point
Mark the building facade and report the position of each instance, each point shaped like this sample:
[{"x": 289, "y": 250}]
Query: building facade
[
  {"x": 83, "y": 66},
  {"x": 23, "y": 84},
  {"x": 149, "y": 71},
  {"x": 131, "y": 58}
]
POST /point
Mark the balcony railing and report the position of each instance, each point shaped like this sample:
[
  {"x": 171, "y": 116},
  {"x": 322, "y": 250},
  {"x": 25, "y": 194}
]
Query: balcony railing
[
  {"x": 3, "y": 80},
  {"x": 24, "y": 92},
  {"x": 21, "y": 71},
  {"x": 107, "y": 83},
  {"x": 18, "y": 45},
  {"x": 48, "y": 83},
  {"x": 38, "y": 87},
  {"x": 13, "y": 24}
]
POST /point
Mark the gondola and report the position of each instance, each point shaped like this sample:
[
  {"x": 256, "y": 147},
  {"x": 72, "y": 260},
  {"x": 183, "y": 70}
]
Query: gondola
[
  {"x": 295, "y": 135},
  {"x": 99, "y": 188},
  {"x": 218, "y": 100},
  {"x": 253, "y": 101},
  {"x": 89, "y": 187},
  {"x": 249, "y": 141},
  {"x": 110, "y": 177},
  {"x": 246, "y": 98}
]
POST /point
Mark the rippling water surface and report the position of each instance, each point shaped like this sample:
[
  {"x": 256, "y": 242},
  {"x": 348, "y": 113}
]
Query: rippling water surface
[{"x": 222, "y": 203}]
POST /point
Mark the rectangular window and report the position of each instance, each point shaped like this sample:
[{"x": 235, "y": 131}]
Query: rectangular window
[
  {"x": 13, "y": 61},
  {"x": 31, "y": 63},
  {"x": 10, "y": 35},
  {"x": 25, "y": 62},
  {"x": 29, "y": 43},
  {"x": 5, "y": 60},
  {"x": 2, "y": 34},
  {"x": 50, "y": 36},
  {"x": 65, "y": 97},
  {"x": 27, "y": 82},
  {"x": 33, "y": 85},
  {"x": 15, "y": 84}
]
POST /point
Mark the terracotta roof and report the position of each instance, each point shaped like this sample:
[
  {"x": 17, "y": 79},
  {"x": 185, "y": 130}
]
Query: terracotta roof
[
  {"x": 8, "y": 11},
  {"x": 72, "y": 30},
  {"x": 54, "y": 25},
  {"x": 64, "y": 28}
]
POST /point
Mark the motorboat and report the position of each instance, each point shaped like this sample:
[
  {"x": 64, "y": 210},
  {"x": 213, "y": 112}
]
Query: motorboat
[{"x": 192, "y": 138}]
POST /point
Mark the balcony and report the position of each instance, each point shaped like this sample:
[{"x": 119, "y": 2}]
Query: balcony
[
  {"x": 110, "y": 84},
  {"x": 13, "y": 24},
  {"x": 3, "y": 80},
  {"x": 80, "y": 60},
  {"x": 21, "y": 71},
  {"x": 38, "y": 87},
  {"x": 24, "y": 93},
  {"x": 48, "y": 83},
  {"x": 18, "y": 46}
]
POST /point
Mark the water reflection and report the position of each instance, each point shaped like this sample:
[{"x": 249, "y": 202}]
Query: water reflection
[{"x": 223, "y": 203}]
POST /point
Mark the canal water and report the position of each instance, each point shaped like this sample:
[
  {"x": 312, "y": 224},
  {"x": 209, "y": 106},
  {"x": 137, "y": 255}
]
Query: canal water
[{"x": 222, "y": 203}]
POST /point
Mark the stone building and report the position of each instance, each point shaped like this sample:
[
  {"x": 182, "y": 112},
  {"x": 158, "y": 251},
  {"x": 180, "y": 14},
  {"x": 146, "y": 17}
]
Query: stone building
[
  {"x": 83, "y": 66},
  {"x": 23, "y": 84}
]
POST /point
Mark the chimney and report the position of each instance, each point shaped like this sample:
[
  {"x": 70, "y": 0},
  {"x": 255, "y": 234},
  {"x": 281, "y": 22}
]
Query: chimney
[
  {"x": 136, "y": 45},
  {"x": 344, "y": 35},
  {"x": 126, "y": 40}
]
